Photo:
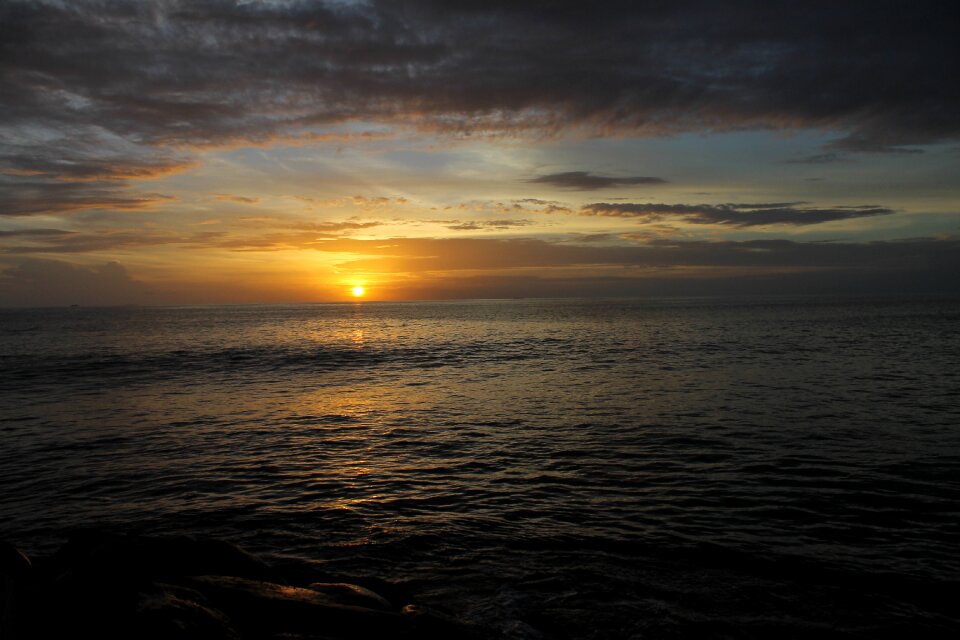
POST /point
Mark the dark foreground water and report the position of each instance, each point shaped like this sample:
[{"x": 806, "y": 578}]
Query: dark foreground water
[{"x": 550, "y": 469}]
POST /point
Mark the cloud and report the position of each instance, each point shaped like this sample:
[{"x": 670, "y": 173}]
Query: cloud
[
  {"x": 734, "y": 215},
  {"x": 108, "y": 92},
  {"x": 33, "y": 197},
  {"x": 61, "y": 167},
  {"x": 33, "y": 233},
  {"x": 33, "y": 282},
  {"x": 592, "y": 237},
  {"x": 334, "y": 226},
  {"x": 211, "y": 72},
  {"x": 820, "y": 158},
  {"x": 48, "y": 171},
  {"x": 716, "y": 282},
  {"x": 274, "y": 235},
  {"x": 493, "y": 267},
  {"x": 537, "y": 202},
  {"x": 421, "y": 255},
  {"x": 93, "y": 241},
  {"x": 226, "y": 197},
  {"x": 585, "y": 181},
  {"x": 299, "y": 237},
  {"x": 378, "y": 201},
  {"x": 487, "y": 225},
  {"x": 36, "y": 144}
]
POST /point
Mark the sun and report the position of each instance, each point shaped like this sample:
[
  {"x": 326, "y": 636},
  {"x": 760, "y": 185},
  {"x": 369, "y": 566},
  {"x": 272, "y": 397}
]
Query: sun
[{"x": 358, "y": 291}]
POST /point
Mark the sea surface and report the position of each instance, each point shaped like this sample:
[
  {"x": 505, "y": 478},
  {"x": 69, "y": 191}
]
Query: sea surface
[{"x": 758, "y": 468}]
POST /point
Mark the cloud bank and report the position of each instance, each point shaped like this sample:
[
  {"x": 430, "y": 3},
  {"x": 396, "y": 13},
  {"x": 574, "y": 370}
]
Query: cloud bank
[
  {"x": 586, "y": 181},
  {"x": 734, "y": 215},
  {"x": 202, "y": 72},
  {"x": 110, "y": 90},
  {"x": 487, "y": 267},
  {"x": 33, "y": 282}
]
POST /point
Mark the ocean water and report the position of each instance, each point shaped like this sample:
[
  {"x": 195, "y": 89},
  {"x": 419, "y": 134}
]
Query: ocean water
[{"x": 546, "y": 468}]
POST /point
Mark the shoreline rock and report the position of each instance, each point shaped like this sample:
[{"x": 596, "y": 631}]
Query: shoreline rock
[{"x": 183, "y": 588}]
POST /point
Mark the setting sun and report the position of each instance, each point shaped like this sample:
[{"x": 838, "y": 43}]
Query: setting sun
[{"x": 358, "y": 291}]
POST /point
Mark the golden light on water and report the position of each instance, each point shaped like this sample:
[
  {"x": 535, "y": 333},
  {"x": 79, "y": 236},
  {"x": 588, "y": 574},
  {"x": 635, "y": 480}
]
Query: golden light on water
[{"x": 358, "y": 291}]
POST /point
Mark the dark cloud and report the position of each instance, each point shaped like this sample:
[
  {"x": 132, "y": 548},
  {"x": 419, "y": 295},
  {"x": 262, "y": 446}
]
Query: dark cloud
[
  {"x": 105, "y": 91},
  {"x": 653, "y": 267},
  {"x": 585, "y": 181},
  {"x": 487, "y": 225},
  {"x": 593, "y": 237},
  {"x": 511, "y": 207},
  {"x": 667, "y": 284},
  {"x": 880, "y": 142},
  {"x": 336, "y": 227},
  {"x": 537, "y": 202},
  {"x": 33, "y": 233},
  {"x": 734, "y": 215},
  {"x": 225, "y": 197},
  {"x": 33, "y": 282},
  {"x": 378, "y": 201},
  {"x": 296, "y": 237},
  {"x": 277, "y": 236},
  {"x": 65, "y": 161},
  {"x": 820, "y": 158},
  {"x": 93, "y": 241},
  {"x": 435, "y": 255},
  {"x": 883, "y": 75},
  {"x": 25, "y": 197},
  {"x": 45, "y": 170}
]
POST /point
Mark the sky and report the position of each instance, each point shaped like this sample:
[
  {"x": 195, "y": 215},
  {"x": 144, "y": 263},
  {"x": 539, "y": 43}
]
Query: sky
[{"x": 215, "y": 151}]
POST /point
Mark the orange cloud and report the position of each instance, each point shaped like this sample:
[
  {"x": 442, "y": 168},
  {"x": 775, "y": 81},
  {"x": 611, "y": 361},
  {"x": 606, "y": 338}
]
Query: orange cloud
[{"x": 226, "y": 197}]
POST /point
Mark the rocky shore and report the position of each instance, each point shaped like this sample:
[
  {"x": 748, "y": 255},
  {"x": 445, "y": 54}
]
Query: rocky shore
[{"x": 109, "y": 586}]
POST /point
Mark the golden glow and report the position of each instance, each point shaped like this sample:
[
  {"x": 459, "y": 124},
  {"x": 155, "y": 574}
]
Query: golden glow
[{"x": 358, "y": 291}]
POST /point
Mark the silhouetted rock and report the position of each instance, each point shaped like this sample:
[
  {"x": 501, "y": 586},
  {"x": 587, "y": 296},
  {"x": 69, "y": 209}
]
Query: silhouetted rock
[
  {"x": 127, "y": 555},
  {"x": 352, "y": 594},
  {"x": 262, "y": 606},
  {"x": 15, "y": 572},
  {"x": 171, "y": 612},
  {"x": 13, "y": 562},
  {"x": 120, "y": 586}
]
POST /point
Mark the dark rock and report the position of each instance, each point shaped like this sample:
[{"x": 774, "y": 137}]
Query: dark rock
[
  {"x": 110, "y": 586},
  {"x": 258, "y": 605},
  {"x": 171, "y": 612},
  {"x": 13, "y": 562},
  {"x": 352, "y": 594},
  {"x": 135, "y": 556},
  {"x": 15, "y": 571}
]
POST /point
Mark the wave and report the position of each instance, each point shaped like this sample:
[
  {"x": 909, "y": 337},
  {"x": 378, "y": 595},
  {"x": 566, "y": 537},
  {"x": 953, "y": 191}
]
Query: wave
[{"x": 132, "y": 368}]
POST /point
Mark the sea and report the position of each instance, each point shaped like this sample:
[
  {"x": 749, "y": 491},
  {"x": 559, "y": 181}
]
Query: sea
[{"x": 782, "y": 467}]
